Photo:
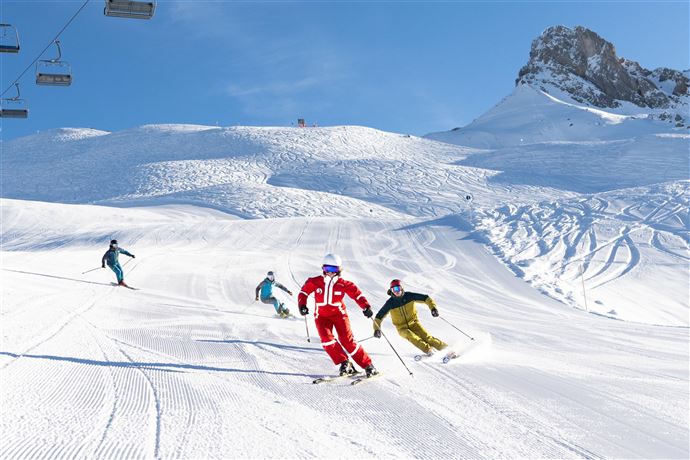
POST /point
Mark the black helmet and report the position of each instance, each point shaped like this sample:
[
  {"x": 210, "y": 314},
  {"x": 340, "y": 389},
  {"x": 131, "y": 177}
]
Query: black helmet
[{"x": 112, "y": 242}]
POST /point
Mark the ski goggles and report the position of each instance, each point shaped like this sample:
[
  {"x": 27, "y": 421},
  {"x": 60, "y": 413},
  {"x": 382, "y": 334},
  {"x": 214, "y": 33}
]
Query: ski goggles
[
  {"x": 331, "y": 268},
  {"x": 114, "y": 246},
  {"x": 397, "y": 289}
]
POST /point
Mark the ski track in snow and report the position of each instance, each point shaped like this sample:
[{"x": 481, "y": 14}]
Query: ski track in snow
[
  {"x": 191, "y": 366},
  {"x": 611, "y": 241}
]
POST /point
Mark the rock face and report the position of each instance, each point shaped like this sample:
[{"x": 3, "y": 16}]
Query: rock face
[{"x": 585, "y": 66}]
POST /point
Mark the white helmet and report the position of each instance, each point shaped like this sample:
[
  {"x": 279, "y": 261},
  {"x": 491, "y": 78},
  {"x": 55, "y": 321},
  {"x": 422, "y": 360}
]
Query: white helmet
[{"x": 333, "y": 260}]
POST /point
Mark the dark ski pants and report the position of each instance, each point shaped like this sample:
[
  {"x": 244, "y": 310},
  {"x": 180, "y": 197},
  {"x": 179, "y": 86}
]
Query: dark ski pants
[
  {"x": 273, "y": 301},
  {"x": 118, "y": 271}
]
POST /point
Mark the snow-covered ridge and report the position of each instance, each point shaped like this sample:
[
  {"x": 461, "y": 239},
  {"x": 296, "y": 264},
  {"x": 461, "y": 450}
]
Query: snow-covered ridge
[
  {"x": 575, "y": 69},
  {"x": 250, "y": 171},
  {"x": 531, "y": 115},
  {"x": 581, "y": 64}
]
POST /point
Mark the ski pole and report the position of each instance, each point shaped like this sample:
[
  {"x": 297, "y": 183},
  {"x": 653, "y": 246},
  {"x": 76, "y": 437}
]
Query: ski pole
[
  {"x": 444, "y": 319},
  {"x": 370, "y": 337},
  {"x": 392, "y": 348},
  {"x": 306, "y": 326},
  {"x": 93, "y": 269}
]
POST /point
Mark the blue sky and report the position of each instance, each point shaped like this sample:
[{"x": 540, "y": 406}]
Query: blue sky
[{"x": 412, "y": 67}]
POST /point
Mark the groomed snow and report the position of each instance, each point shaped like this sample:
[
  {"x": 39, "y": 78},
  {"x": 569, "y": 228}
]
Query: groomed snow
[{"x": 191, "y": 367}]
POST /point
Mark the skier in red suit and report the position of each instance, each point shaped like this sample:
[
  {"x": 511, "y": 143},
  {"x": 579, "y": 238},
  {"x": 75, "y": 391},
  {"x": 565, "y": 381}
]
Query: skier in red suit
[{"x": 329, "y": 291}]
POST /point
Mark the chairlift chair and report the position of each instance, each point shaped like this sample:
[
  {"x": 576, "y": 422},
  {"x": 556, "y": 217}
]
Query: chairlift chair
[
  {"x": 54, "y": 72},
  {"x": 127, "y": 9},
  {"x": 14, "y": 107},
  {"x": 9, "y": 39}
]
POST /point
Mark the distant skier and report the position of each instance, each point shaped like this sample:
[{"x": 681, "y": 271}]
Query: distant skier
[
  {"x": 264, "y": 291},
  {"x": 111, "y": 258},
  {"x": 401, "y": 306},
  {"x": 329, "y": 290}
]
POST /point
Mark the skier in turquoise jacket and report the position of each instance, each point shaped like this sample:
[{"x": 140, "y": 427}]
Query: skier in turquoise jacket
[
  {"x": 264, "y": 291},
  {"x": 111, "y": 258}
]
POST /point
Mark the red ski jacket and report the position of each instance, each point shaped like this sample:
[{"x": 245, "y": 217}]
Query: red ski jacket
[{"x": 329, "y": 293}]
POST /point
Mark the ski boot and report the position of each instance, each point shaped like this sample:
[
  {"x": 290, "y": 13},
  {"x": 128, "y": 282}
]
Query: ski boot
[
  {"x": 122, "y": 283},
  {"x": 346, "y": 368},
  {"x": 371, "y": 371}
]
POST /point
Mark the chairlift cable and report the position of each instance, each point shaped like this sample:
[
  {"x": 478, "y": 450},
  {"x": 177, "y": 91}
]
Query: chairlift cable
[{"x": 74, "y": 16}]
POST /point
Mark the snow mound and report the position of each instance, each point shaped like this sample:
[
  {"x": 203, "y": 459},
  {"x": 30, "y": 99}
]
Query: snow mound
[
  {"x": 530, "y": 115},
  {"x": 629, "y": 248}
]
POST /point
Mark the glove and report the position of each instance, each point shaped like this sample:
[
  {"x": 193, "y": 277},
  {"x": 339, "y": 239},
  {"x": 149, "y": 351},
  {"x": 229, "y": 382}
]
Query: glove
[
  {"x": 303, "y": 310},
  {"x": 434, "y": 313},
  {"x": 102, "y": 266},
  {"x": 256, "y": 299},
  {"x": 133, "y": 256},
  {"x": 377, "y": 333},
  {"x": 289, "y": 292},
  {"x": 368, "y": 313}
]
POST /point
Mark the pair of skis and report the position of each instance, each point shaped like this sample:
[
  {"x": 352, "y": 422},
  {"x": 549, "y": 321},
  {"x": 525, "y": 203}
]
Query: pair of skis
[
  {"x": 446, "y": 359},
  {"x": 125, "y": 286},
  {"x": 355, "y": 379}
]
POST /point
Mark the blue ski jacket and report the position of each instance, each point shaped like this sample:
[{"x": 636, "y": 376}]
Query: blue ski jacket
[
  {"x": 111, "y": 256},
  {"x": 266, "y": 288}
]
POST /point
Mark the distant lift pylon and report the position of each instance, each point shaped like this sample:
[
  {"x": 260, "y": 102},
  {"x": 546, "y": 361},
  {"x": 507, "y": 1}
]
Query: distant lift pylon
[
  {"x": 54, "y": 72},
  {"x": 14, "y": 107},
  {"x": 9, "y": 39},
  {"x": 127, "y": 9}
]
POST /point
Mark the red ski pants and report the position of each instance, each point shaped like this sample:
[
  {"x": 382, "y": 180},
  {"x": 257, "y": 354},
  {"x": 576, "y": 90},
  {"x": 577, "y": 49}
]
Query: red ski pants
[{"x": 345, "y": 344}]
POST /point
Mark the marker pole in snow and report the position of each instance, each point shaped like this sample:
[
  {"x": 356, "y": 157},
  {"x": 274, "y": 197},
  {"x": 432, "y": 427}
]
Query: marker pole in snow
[
  {"x": 451, "y": 324},
  {"x": 92, "y": 270},
  {"x": 584, "y": 292},
  {"x": 392, "y": 348}
]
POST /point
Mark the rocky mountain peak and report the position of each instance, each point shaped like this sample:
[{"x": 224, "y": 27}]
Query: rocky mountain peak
[{"x": 585, "y": 66}]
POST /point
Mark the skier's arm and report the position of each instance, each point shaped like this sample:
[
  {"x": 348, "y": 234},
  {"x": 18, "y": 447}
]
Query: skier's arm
[
  {"x": 307, "y": 289},
  {"x": 422, "y": 298},
  {"x": 258, "y": 288},
  {"x": 103, "y": 259},
  {"x": 353, "y": 291},
  {"x": 125, "y": 252},
  {"x": 278, "y": 285},
  {"x": 381, "y": 315}
]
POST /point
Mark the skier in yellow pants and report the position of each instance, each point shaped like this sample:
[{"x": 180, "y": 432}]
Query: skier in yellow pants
[{"x": 401, "y": 306}]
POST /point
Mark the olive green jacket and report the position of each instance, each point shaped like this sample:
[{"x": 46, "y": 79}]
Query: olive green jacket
[{"x": 402, "y": 309}]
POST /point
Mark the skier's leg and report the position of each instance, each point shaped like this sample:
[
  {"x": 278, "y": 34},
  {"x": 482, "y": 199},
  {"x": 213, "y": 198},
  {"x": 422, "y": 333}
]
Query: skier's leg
[
  {"x": 425, "y": 336},
  {"x": 276, "y": 304},
  {"x": 342, "y": 327},
  {"x": 271, "y": 301},
  {"x": 118, "y": 271},
  {"x": 407, "y": 334},
  {"x": 324, "y": 326}
]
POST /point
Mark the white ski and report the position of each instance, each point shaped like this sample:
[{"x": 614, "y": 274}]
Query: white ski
[{"x": 336, "y": 377}]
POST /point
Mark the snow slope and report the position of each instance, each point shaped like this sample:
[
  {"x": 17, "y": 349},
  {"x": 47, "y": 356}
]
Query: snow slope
[
  {"x": 619, "y": 241},
  {"x": 191, "y": 367},
  {"x": 361, "y": 172},
  {"x": 250, "y": 171},
  {"x": 529, "y": 115},
  {"x": 619, "y": 162}
]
